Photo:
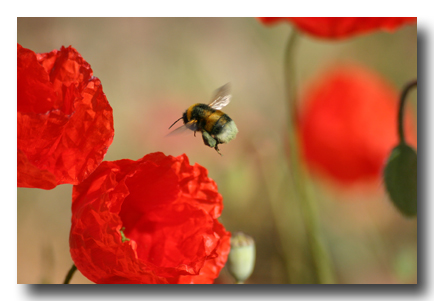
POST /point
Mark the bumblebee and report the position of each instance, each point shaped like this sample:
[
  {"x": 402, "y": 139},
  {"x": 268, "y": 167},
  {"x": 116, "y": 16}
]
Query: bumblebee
[{"x": 216, "y": 127}]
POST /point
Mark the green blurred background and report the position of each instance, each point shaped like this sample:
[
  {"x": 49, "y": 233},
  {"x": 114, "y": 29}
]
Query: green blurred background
[{"x": 152, "y": 69}]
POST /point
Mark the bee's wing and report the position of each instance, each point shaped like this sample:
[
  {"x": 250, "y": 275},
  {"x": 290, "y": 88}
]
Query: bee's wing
[
  {"x": 221, "y": 97},
  {"x": 183, "y": 128}
]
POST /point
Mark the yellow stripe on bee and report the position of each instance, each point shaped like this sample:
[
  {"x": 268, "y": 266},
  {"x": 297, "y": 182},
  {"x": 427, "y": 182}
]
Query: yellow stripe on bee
[
  {"x": 189, "y": 110},
  {"x": 212, "y": 119}
]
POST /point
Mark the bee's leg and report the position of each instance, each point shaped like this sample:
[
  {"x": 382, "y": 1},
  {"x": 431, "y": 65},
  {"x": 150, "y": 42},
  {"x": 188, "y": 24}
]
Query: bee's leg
[
  {"x": 217, "y": 149},
  {"x": 195, "y": 133},
  {"x": 208, "y": 139}
]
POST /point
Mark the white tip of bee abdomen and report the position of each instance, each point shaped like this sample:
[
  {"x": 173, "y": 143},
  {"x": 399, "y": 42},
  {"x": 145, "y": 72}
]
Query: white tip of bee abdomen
[{"x": 228, "y": 132}]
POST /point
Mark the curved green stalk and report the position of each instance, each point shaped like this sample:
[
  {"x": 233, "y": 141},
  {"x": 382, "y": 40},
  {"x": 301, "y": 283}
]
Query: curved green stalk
[{"x": 407, "y": 89}]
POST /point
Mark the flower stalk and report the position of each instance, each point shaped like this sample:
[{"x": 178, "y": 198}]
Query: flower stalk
[
  {"x": 70, "y": 274},
  {"x": 404, "y": 94},
  {"x": 301, "y": 185}
]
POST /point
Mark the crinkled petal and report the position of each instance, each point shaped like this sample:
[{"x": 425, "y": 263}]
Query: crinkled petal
[
  {"x": 64, "y": 121},
  {"x": 170, "y": 234}
]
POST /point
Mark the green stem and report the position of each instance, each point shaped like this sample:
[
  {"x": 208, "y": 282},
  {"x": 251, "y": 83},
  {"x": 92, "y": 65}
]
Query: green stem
[
  {"x": 321, "y": 261},
  {"x": 407, "y": 89},
  {"x": 69, "y": 275},
  {"x": 281, "y": 214}
]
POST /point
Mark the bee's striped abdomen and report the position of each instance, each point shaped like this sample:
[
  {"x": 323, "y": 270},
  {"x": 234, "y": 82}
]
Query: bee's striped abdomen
[
  {"x": 219, "y": 122},
  {"x": 214, "y": 120}
]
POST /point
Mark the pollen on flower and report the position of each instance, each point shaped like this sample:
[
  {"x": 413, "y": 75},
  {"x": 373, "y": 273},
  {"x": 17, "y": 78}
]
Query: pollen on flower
[{"x": 124, "y": 238}]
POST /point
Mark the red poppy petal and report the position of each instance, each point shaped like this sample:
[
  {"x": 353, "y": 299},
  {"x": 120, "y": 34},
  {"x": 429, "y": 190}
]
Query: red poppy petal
[
  {"x": 341, "y": 27},
  {"x": 64, "y": 121},
  {"x": 170, "y": 233},
  {"x": 35, "y": 92},
  {"x": 213, "y": 265},
  {"x": 31, "y": 176},
  {"x": 201, "y": 189},
  {"x": 348, "y": 124}
]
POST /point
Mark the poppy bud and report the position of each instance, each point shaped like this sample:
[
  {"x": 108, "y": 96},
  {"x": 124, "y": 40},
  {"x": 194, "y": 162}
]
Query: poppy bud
[
  {"x": 241, "y": 260},
  {"x": 400, "y": 178}
]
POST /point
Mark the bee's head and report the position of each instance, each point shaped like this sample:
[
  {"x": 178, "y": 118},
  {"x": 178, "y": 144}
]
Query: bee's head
[{"x": 184, "y": 117}]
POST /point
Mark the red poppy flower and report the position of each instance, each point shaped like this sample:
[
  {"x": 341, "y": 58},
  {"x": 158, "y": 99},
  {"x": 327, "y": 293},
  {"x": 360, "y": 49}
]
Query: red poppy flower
[
  {"x": 153, "y": 220},
  {"x": 348, "y": 124},
  {"x": 341, "y": 27},
  {"x": 65, "y": 123}
]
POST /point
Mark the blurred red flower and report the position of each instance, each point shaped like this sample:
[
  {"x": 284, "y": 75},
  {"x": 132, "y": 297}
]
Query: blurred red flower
[
  {"x": 64, "y": 121},
  {"x": 348, "y": 124},
  {"x": 166, "y": 208},
  {"x": 341, "y": 27}
]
